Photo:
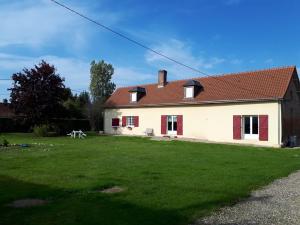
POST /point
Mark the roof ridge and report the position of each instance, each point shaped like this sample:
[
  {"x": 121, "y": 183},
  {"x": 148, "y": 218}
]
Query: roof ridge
[{"x": 218, "y": 75}]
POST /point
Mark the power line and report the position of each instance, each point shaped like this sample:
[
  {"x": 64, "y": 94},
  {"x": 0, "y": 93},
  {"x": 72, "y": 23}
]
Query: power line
[{"x": 152, "y": 50}]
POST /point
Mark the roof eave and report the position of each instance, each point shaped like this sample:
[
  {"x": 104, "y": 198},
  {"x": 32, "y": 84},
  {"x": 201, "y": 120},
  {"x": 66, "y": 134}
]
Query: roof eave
[{"x": 195, "y": 103}]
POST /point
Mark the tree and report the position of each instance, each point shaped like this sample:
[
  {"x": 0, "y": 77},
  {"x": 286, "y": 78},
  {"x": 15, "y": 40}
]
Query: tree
[
  {"x": 38, "y": 93},
  {"x": 101, "y": 86},
  {"x": 77, "y": 105},
  {"x": 5, "y": 101}
]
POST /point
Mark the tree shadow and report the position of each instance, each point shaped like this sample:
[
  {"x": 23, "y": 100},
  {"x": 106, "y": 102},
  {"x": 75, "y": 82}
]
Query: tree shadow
[{"x": 75, "y": 207}]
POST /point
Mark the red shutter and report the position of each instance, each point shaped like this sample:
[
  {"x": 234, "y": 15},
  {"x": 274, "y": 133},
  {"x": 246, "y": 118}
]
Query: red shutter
[
  {"x": 123, "y": 121},
  {"x": 180, "y": 125},
  {"x": 163, "y": 124},
  {"x": 237, "y": 122},
  {"x": 115, "y": 122},
  {"x": 263, "y": 127},
  {"x": 136, "y": 121}
]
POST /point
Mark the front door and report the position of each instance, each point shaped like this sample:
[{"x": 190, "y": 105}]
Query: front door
[{"x": 172, "y": 125}]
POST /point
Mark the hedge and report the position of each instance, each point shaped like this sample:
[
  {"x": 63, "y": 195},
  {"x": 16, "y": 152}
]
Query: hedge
[{"x": 59, "y": 126}]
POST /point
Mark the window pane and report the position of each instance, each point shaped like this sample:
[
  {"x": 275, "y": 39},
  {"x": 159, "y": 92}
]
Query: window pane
[
  {"x": 175, "y": 126},
  {"x": 189, "y": 92},
  {"x": 133, "y": 97},
  {"x": 129, "y": 120},
  {"x": 247, "y": 125},
  {"x": 169, "y": 125},
  {"x": 254, "y": 125}
]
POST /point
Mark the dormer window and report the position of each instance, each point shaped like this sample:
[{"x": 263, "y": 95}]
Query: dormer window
[
  {"x": 191, "y": 88},
  {"x": 189, "y": 92},
  {"x": 136, "y": 94}
]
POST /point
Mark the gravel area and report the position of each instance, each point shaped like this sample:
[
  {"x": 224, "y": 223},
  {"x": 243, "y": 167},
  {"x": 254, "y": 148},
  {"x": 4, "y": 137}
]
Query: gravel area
[{"x": 275, "y": 204}]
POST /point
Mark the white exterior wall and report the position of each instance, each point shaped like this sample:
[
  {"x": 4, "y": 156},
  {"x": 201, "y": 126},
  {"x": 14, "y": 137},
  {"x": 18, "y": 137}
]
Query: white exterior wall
[{"x": 212, "y": 122}]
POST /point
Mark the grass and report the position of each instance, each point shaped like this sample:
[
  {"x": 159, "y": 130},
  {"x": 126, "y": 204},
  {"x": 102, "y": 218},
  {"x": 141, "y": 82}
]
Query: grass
[{"x": 165, "y": 182}]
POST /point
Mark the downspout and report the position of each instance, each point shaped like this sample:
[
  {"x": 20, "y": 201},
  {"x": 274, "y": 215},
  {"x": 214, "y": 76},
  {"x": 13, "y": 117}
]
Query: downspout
[{"x": 279, "y": 124}]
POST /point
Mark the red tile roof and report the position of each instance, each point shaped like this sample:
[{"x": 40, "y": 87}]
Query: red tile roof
[{"x": 269, "y": 84}]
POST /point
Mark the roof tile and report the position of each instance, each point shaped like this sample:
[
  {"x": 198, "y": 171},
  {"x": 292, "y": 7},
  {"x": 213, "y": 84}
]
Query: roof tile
[{"x": 245, "y": 86}]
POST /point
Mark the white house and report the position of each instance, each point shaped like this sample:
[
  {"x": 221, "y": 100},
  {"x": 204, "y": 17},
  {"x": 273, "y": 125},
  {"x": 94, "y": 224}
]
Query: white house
[{"x": 258, "y": 107}]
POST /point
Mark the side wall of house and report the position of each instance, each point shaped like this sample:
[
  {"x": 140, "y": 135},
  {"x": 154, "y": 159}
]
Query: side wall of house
[
  {"x": 208, "y": 122},
  {"x": 291, "y": 110}
]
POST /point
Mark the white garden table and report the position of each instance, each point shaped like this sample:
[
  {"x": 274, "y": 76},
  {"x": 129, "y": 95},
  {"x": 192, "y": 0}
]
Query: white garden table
[{"x": 78, "y": 133}]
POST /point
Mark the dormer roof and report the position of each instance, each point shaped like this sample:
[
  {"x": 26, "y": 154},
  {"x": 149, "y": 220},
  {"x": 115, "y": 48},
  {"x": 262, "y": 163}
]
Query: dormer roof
[
  {"x": 138, "y": 89},
  {"x": 190, "y": 83}
]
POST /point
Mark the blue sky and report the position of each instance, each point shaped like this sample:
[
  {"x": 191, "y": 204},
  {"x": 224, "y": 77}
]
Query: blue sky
[{"x": 214, "y": 36}]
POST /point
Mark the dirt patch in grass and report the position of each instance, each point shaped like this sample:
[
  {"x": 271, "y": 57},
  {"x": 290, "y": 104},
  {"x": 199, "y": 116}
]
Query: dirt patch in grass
[
  {"x": 26, "y": 203},
  {"x": 112, "y": 190}
]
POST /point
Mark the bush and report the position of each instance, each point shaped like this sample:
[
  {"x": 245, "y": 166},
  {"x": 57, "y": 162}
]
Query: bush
[
  {"x": 5, "y": 143},
  {"x": 41, "y": 131},
  {"x": 65, "y": 126},
  {"x": 18, "y": 124}
]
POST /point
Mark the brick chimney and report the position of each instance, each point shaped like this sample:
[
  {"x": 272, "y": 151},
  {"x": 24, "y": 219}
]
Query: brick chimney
[{"x": 162, "y": 78}]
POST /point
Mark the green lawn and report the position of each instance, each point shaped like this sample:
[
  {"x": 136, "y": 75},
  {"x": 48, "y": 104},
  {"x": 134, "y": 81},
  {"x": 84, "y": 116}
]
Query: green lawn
[{"x": 166, "y": 182}]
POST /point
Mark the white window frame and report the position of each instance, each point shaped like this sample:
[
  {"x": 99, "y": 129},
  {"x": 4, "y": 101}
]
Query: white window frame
[
  {"x": 189, "y": 92},
  {"x": 130, "y": 121},
  {"x": 134, "y": 96},
  {"x": 173, "y": 119},
  {"x": 251, "y": 136}
]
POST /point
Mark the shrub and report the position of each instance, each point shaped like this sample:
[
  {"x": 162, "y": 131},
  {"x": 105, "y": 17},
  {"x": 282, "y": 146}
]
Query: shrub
[
  {"x": 41, "y": 130},
  {"x": 5, "y": 143}
]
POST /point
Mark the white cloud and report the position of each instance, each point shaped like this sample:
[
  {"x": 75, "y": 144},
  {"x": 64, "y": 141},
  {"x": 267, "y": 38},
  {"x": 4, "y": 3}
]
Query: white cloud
[
  {"x": 126, "y": 76},
  {"x": 75, "y": 71},
  {"x": 40, "y": 22},
  {"x": 181, "y": 52},
  {"x": 269, "y": 61},
  {"x": 236, "y": 61}
]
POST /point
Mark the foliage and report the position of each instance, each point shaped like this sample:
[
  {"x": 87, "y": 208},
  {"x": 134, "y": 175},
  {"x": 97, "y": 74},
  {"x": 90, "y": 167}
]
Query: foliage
[
  {"x": 96, "y": 116},
  {"x": 165, "y": 182},
  {"x": 17, "y": 124},
  {"x": 77, "y": 105},
  {"x": 38, "y": 93},
  {"x": 5, "y": 143},
  {"x": 65, "y": 126},
  {"x": 41, "y": 130},
  {"x": 101, "y": 86},
  {"x": 5, "y": 101}
]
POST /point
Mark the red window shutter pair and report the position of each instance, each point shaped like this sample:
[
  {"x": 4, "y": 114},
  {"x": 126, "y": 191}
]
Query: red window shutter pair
[
  {"x": 135, "y": 121},
  {"x": 115, "y": 122},
  {"x": 263, "y": 127},
  {"x": 179, "y": 124}
]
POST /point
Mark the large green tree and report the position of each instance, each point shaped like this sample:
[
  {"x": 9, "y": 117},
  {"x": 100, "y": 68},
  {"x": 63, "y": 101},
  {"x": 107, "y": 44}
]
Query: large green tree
[
  {"x": 101, "y": 86},
  {"x": 38, "y": 93}
]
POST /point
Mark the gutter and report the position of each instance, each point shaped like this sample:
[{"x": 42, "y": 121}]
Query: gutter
[{"x": 194, "y": 103}]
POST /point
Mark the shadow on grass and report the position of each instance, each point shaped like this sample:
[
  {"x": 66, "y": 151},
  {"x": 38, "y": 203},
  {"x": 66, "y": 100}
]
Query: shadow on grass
[{"x": 68, "y": 207}]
